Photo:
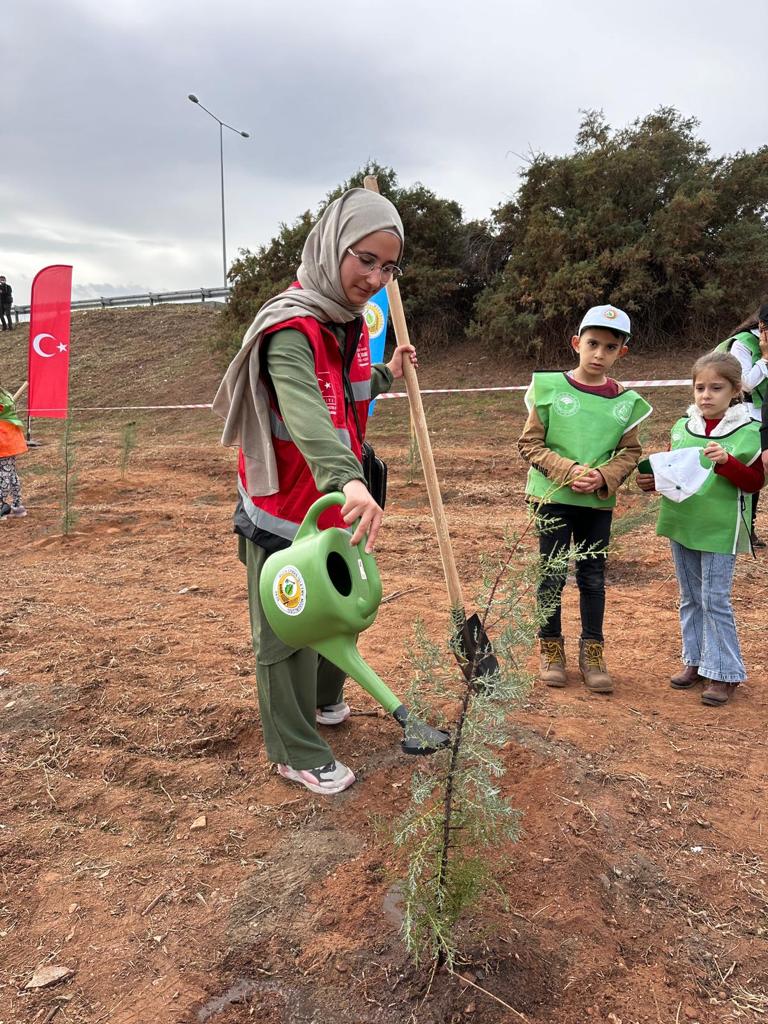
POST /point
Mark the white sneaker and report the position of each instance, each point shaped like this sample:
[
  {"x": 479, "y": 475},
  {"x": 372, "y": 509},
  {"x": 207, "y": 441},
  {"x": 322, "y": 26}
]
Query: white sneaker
[
  {"x": 329, "y": 779},
  {"x": 333, "y": 714}
]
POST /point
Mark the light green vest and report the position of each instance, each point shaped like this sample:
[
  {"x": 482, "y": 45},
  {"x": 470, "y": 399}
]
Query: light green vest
[
  {"x": 581, "y": 426},
  {"x": 8, "y": 411},
  {"x": 749, "y": 341},
  {"x": 717, "y": 517}
]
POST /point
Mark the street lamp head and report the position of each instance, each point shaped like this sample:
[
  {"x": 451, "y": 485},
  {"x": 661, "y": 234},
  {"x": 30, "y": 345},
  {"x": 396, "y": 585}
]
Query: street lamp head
[
  {"x": 245, "y": 135},
  {"x": 193, "y": 98}
]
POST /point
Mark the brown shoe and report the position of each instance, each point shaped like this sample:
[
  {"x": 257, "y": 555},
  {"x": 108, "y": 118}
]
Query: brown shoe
[
  {"x": 686, "y": 679},
  {"x": 592, "y": 667},
  {"x": 714, "y": 693},
  {"x": 552, "y": 662}
]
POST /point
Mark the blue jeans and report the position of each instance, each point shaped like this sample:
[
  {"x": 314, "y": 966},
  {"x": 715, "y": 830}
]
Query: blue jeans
[{"x": 706, "y": 613}]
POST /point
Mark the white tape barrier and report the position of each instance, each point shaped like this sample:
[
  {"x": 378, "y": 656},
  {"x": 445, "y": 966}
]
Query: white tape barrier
[
  {"x": 524, "y": 387},
  {"x": 386, "y": 394}
]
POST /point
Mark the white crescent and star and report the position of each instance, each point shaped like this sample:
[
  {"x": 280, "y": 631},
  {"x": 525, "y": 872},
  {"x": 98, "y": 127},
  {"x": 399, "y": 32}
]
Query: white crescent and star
[{"x": 37, "y": 345}]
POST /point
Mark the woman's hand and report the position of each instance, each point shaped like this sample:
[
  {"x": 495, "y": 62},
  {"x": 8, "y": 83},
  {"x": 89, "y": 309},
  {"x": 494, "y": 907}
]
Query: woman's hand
[
  {"x": 395, "y": 364},
  {"x": 361, "y": 505},
  {"x": 763, "y": 341},
  {"x": 765, "y": 461},
  {"x": 646, "y": 481},
  {"x": 716, "y": 453}
]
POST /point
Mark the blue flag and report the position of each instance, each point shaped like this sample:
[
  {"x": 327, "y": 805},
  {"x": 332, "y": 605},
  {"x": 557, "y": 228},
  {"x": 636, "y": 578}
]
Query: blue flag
[{"x": 376, "y": 313}]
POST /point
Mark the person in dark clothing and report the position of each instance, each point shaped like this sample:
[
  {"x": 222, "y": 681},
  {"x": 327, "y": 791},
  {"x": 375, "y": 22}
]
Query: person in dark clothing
[{"x": 6, "y": 301}]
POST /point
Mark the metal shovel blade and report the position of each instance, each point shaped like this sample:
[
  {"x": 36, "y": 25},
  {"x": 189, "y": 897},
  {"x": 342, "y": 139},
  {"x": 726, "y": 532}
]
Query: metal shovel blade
[{"x": 473, "y": 649}]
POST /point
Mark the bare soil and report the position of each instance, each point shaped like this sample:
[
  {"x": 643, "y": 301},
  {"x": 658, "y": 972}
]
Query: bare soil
[{"x": 127, "y": 711}]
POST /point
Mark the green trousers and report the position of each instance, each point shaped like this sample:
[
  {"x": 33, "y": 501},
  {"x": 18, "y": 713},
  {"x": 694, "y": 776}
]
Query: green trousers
[{"x": 291, "y": 683}]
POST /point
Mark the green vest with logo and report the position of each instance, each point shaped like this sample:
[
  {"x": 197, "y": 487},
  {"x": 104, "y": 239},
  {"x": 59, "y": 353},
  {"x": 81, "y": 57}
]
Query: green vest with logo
[
  {"x": 750, "y": 342},
  {"x": 8, "y": 409},
  {"x": 581, "y": 426},
  {"x": 718, "y": 516}
]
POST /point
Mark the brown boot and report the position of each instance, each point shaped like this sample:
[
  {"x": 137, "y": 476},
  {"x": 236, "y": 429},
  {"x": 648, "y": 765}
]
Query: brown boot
[
  {"x": 686, "y": 679},
  {"x": 716, "y": 693},
  {"x": 552, "y": 662},
  {"x": 592, "y": 667}
]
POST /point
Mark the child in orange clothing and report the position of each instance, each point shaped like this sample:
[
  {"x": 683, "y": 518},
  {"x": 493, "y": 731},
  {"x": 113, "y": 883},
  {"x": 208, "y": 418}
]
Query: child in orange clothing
[{"x": 12, "y": 443}]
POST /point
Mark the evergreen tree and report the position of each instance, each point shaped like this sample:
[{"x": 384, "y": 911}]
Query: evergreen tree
[{"x": 641, "y": 217}]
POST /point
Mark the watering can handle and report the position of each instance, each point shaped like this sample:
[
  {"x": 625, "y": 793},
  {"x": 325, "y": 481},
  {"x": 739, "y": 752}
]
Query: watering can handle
[{"x": 309, "y": 526}]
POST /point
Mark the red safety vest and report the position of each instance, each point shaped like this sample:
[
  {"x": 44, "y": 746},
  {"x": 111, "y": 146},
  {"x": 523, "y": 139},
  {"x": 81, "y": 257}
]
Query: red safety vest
[{"x": 281, "y": 513}]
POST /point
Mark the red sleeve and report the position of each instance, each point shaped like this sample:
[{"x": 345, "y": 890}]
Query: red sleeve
[{"x": 747, "y": 478}]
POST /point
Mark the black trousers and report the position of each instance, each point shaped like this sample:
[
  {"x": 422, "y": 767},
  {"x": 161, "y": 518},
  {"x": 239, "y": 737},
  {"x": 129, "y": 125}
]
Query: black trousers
[
  {"x": 5, "y": 315},
  {"x": 586, "y": 527}
]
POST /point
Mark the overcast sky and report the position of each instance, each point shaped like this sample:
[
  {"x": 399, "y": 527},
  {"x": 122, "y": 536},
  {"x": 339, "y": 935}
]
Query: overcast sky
[{"x": 106, "y": 164}]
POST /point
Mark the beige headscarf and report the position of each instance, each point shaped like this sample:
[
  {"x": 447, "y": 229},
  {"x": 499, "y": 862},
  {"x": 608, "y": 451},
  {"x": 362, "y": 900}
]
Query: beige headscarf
[{"x": 242, "y": 397}]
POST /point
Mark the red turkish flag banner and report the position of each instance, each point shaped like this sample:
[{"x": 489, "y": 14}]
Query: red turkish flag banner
[{"x": 49, "y": 324}]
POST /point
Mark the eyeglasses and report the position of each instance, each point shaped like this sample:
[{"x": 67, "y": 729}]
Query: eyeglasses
[{"x": 388, "y": 271}]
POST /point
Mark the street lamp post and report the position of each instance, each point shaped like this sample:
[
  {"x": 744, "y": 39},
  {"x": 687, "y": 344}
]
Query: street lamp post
[{"x": 222, "y": 125}]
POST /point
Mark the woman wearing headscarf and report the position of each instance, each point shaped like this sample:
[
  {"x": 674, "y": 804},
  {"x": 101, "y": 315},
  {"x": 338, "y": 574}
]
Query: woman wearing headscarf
[{"x": 295, "y": 401}]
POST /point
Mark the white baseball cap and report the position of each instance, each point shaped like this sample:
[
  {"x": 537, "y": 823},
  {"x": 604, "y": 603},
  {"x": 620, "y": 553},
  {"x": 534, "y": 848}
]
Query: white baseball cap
[{"x": 606, "y": 316}]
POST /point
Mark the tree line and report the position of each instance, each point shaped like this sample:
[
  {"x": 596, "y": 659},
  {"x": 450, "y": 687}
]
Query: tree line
[{"x": 642, "y": 216}]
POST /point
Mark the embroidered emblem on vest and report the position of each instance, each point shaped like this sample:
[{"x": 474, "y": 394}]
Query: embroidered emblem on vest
[
  {"x": 325, "y": 384},
  {"x": 622, "y": 411},
  {"x": 566, "y": 405}
]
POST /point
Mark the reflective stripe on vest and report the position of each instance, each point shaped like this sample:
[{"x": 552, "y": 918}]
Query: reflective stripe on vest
[
  {"x": 265, "y": 520},
  {"x": 361, "y": 390},
  {"x": 278, "y": 428}
]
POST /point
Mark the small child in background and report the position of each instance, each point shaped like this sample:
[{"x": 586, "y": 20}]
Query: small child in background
[
  {"x": 581, "y": 441},
  {"x": 749, "y": 344},
  {"x": 709, "y": 528},
  {"x": 12, "y": 443}
]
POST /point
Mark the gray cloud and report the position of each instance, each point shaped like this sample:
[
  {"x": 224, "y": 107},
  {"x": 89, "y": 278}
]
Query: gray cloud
[{"x": 106, "y": 163}]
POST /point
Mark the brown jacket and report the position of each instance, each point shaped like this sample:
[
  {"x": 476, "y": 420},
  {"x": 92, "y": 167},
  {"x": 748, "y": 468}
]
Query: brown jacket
[{"x": 533, "y": 448}]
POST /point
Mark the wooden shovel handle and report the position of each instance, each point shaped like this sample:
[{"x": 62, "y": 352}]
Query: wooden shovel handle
[
  {"x": 21, "y": 391},
  {"x": 422, "y": 436}
]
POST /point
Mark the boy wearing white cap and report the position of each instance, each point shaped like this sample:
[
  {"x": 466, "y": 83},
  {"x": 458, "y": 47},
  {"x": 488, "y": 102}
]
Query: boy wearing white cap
[{"x": 581, "y": 441}]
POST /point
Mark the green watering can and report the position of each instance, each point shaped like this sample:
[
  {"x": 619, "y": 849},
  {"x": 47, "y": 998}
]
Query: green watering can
[{"x": 321, "y": 593}]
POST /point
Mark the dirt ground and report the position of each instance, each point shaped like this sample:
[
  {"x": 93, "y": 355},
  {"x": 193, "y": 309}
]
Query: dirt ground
[{"x": 637, "y": 892}]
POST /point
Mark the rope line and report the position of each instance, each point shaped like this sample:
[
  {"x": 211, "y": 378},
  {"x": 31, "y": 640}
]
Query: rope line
[{"x": 386, "y": 394}]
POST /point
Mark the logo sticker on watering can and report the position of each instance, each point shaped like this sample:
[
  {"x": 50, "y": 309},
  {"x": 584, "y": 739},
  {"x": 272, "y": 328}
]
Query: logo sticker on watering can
[{"x": 290, "y": 591}]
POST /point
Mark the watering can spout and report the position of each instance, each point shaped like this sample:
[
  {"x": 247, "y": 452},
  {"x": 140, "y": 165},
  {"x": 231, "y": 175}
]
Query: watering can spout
[
  {"x": 341, "y": 650},
  {"x": 419, "y": 738}
]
